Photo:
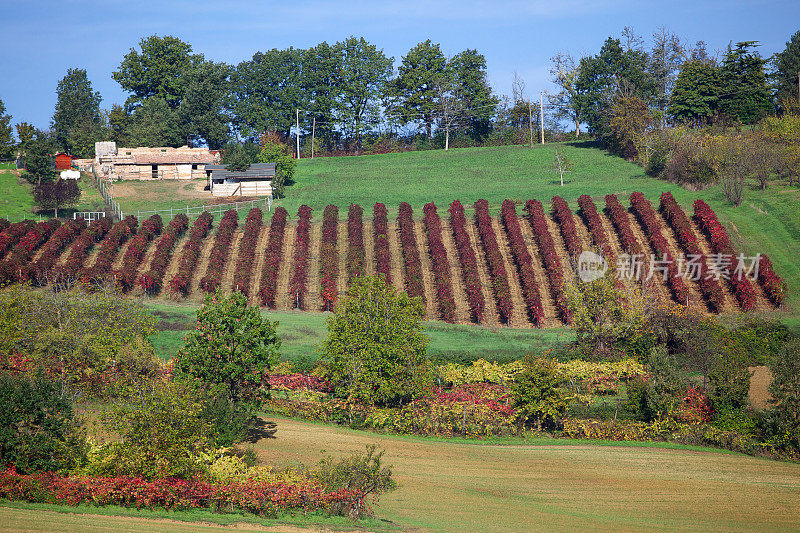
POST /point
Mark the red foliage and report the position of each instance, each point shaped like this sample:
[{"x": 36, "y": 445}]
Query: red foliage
[
  {"x": 273, "y": 257},
  {"x": 441, "y": 266},
  {"x": 81, "y": 247},
  {"x": 329, "y": 257},
  {"x": 408, "y": 245},
  {"x": 695, "y": 407},
  {"x": 383, "y": 259},
  {"x": 298, "y": 283},
  {"x": 17, "y": 266},
  {"x": 492, "y": 395},
  {"x": 652, "y": 228},
  {"x": 152, "y": 279},
  {"x": 298, "y": 382},
  {"x": 595, "y": 224},
  {"x": 220, "y": 250},
  {"x": 721, "y": 244},
  {"x": 180, "y": 282},
  {"x": 118, "y": 234},
  {"x": 523, "y": 261},
  {"x": 356, "y": 256},
  {"x": 246, "y": 261},
  {"x": 549, "y": 257},
  {"x": 12, "y": 234},
  {"x": 497, "y": 268},
  {"x": 54, "y": 246},
  {"x": 469, "y": 263},
  {"x": 566, "y": 221},
  {"x": 136, "y": 249}
]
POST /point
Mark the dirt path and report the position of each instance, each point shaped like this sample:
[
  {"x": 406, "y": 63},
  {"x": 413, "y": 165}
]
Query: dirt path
[
  {"x": 149, "y": 253},
  {"x": 369, "y": 248},
  {"x": 229, "y": 267},
  {"x": 341, "y": 244},
  {"x": 117, "y": 263},
  {"x": 313, "y": 302},
  {"x": 431, "y": 307},
  {"x": 459, "y": 293},
  {"x": 450, "y": 486},
  {"x": 396, "y": 256},
  {"x": 282, "y": 298},
  {"x": 548, "y": 300},
  {"x": 490, "y": 317},
  {"x": 258, "y": 265},
  {"x": 195, "y": 292}
]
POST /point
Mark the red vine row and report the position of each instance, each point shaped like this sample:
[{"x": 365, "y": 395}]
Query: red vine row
[
  {"x": 152, "y": 279},
  {"x": 468, "y": 261},
  {"x": 356, "y": 257},
  {"x": 441, "y": 266},
  {"x": 73, "y": 266},
  {"x": 118, "y": 234},
  {"x": 302, "y": 241},
  {"x": 180, "y": 282},
  {"x": 383, "y": 259},
  {"x": 408, "y": 245},
  {"x": 329, "y": 257},
  {"x": 523, "y": 261},
  {"x": 220, "y": 250},
  {"x": 549, "y": 256},
  {"x": 566, "y": 221},
  {"x": 136, "y": 249},
  {"x": 59, "y": 240},
  {"x": 274, "y": 256},
  {"x": 246, "y": 262},
  {"x": 494, "y": 258}
]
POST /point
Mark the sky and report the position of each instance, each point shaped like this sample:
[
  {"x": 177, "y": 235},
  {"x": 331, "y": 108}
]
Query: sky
[{"x": 42, "y": 39}]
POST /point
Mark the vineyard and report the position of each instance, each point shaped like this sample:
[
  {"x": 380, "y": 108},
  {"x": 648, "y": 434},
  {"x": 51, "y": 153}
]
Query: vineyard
[{"x": 466, "y": 265}]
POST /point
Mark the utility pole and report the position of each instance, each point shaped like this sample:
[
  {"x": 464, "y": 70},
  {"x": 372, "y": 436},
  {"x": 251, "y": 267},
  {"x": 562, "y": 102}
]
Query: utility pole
[
  {"x": 298, "y": 132},
  {"x": 530, "y": 120},
  {"x": 313, "y": 128},
  {"x": 541, "y": 113}
]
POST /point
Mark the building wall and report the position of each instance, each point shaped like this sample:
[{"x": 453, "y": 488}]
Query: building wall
[
  {"x": 165, "y": 172},
  {"x": 245, "y": 188}
]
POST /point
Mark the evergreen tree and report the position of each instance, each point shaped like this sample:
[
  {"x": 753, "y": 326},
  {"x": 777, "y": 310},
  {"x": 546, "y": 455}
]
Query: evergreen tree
[
  {"x": 744, "y": 96},
  {"x": 697, "y": 92},
  {"x": 6, "y": 133},
  {"x": 77, "y": 108},
  {"x": 787, "y": 70}
]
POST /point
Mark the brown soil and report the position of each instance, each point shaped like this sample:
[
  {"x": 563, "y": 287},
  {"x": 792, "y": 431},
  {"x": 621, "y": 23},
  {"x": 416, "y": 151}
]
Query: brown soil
[
  {"x": 229, "y": 268},
  {"x": 561, "y": 248},
  {"x": 760, "y": 380},
  {"x": 117, "y": 263},
  {"x": 149, "y": 253},
  {"x": 519, "y": 312},
  {"x": 286, "y": 269},
  {"x": 459, "y": 293},
  {"x": 313, "y": 302},
  {"x": 655, "y": 284},
  {"x": 396, "y": 255},
  {"x": 490, "y": 317},
  {"x": 431, "y": 307},
  {"x": 548, "y": 300},
  {"x": 341, "y": 244},
  {"x": 258, "y": 268},
  {"x": 369, "y": 248}
]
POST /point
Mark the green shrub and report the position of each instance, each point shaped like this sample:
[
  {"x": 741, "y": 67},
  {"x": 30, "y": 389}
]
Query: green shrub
[
  {"x": 38, "y": 429},
  {"x": 536, "y": 391},
  {"x": 229, "y": 421},
  {"x": 782, "y": 423}
]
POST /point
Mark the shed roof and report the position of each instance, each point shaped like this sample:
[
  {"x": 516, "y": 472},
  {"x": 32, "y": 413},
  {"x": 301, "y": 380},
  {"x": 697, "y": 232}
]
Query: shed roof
[
  {"x": 175, "y": 158},
  {"x": 256, "y": 170}
]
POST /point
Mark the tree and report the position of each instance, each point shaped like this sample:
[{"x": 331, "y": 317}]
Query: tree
[
  {"x": 630, "y": 119},
  {"x": 321, "y": 89},
  {"x": 200, "y": 111},
  {"x": 785, "y": 393},
  {"x": 154, "y": 123},
  {"x": 266, "y": 92},
  {"x": 414, "y": 91},
  {"x": 665, "y": 60},
  {"x": 56, "y": 194},
  {"x": 158, "y": 70},
  {"x": 565, "y": 73},
  {"x": 744, "y": 96},
  {"x": 77, "y": 107},
  {"x": 696, "y": 95},
  {"x": 233, "y": 346},
  {"x": 375, "y": 350},
  {"x": 365, "y": 71},
  {"x": 274, "y": 151},
  {"x": 478, "y": 104},
  {"x": 787, "y": 70},
  {"x": 119, "y": 121},
  {"x": 536, "y": 391},
  {"x": 239, "y": 157},
  {"x": 25, "y": 134},
  {"x": 38, "y": 159},
  {"x": 6, "y": 133},
  {"x": 561, "y": 163}
]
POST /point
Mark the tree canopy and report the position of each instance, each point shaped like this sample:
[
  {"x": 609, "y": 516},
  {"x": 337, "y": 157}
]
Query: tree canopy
[{"x": 77, "y": 122}]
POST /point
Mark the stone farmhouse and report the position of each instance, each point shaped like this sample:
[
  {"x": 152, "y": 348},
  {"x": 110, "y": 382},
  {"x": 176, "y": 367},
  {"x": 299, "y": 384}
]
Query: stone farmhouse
[{"x": 159, "y": 163}]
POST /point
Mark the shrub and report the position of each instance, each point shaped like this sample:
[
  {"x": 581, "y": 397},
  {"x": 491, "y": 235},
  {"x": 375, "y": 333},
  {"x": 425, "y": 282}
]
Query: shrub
[
  {"x": 688, "y": 165},
  {"x": 494, "y": 259},
  {"x": 410, "y": 249},
  {"x": 441, "y": 266},
  {"x": 329, "y": 257},
  {"x": 273, "y": 258},
  {"x": 246, "y": 262},
  {"x": 302, "y": 242},
  {"x": 383, "y": 259},
  {"x": 549, "y": 256},
  {"x": 220, "y": 250},
  {"x": 38, "y": 428},
  {"x": 468, "y": 261},
  {"x": 356, "y": 257},
  {"x": 180, "y": 282},
  {"x": 152, "y": 279},
  {"x": 523, "y": 262},
  {"x": 536, "y": 391}
]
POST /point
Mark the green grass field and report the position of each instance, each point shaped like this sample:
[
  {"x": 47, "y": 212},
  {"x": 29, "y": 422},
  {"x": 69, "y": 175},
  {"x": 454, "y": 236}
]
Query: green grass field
[
  {"x": 302, "y": 332},
  {"x": 16, "y": 198}
]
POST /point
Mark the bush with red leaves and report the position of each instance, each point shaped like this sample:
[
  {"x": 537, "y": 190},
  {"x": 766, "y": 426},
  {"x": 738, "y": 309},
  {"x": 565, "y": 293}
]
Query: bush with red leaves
[
  {"x": 549, "y": 257},
  {"x": 383, "y": 259},
  {"x": 118, "y": 234},
  {"x": 180, "y": 282},
  {"x": 246, "y": 261},
  {"x": 523, "y": 262},
  {"x": 408, "y": 245},
  {"x": 497, "y": 268},
  {"x": 134, "y": 254},
  {"x": 12, "y": 234},
  {"x": 220, "y": 250},
  {"x": 72, "y": 268},
  {"x": 329, "y": 257},
  {"x": 152, "y": 279},
  {"x": 356, "y": 256},
  {"x": 273, "y": 258},
  {"x": 595, "y": 224},
  {"x": 441, "y": 266},
  {"x": 42, "y": 268},
  {"x": 298, "y": 284},
  {"x": 566, "y": 221},
  {"x": 17, "y": 266},
  {"x": 468, "y": 261}
]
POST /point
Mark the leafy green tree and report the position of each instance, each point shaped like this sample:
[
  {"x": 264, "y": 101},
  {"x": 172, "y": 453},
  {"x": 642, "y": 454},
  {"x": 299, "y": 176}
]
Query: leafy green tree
[
  {"x": 630, "y": 120},
  {"x": 119, "y": 121},
  {"x": 787, "y": 67},
  {"x": 158, "y": 70},
  {"x": 745, "y": 95},
  {"x": 38, "y": 158},
  {"x": 154, "y": 123},
  {"x": 56, "y": 194},
  {"x": 273, "y": 151},
  {"x": 414, "y": 91},
  {"x": 6, "y": 133},
  {"x": 321, "y": 89},
  {"x": 77, "y": 107},
  {"x": 239, "y": 157},
  {"x": 375, "y": 350},
  {"x": 536, "y": 391},
  {"x": 665, "y": 60},
  {"x": 696, "y": 95},
  {"x": 785, "y": 393},
  {"x": 479, "y": 105},
  {"x": 266, "y": 92},
  {"x": 25, "y": 134},
  {"x": 233, "y": 346},
  {"x": 200, "y": 111},
  {"x": 364, "y": 75},
  {"x": 38, "y": 427},
  {"x": 564, "y": 72}
]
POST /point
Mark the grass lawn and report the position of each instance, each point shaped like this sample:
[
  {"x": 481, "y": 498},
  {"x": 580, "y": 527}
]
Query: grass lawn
[
  {"x": 16, "y": 198},
  {"x": 302, "y": 332},
  {"x": 552, "y": 486}
]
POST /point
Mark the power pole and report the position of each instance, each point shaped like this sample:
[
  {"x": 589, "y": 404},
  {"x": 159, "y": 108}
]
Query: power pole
[
  {"x": 541, "y": 113},
  {"x": 313, "y": 128},
  {"x": 530, "y": 120},
  {"x": 298, "y": 132}
]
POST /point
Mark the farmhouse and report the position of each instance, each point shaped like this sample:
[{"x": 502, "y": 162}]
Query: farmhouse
[
  {"x": 255, "y": 181},
  {"x": 143, "y": 163}
]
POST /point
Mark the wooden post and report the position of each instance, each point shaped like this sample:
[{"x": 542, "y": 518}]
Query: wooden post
[
  {"x": 297, "y": 116},
  {"x": 541, "y": 113},
  {"x": 313, "y": 128},
  {"x": 530, "y": 120}
]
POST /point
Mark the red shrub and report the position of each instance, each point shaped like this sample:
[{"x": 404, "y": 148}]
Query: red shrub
[
  {"x": 408, "y": 245},
  {"x": 17, "y": 266},
  {"x": 118, "y": 234},
  {"x": 329, "y": 257},
  {"x": 180, "y": 282},
  {"x": 383, "y": 259},
  {"x": 468, "y": 261},
  {"x": 549, "y": 257},
  {"x": 273, "y": 258},
  {"x": 136, "y": 249},
  {"x": 566, "y": 221},
  {"x": 72, "y": 268},
  {"x": 42, "y": 268},
  {"x": 356, "y": 257},
  {"x": 298, "y": 283},
  {"x": 497, "y": 268},
  {"x": 246, "y": 261},
  {"x": 12, "y": 234},
  {"x": 151, "y": 280},
  {"x": 441, "y": 266},
  {"x": 220, "y": 251},
  {"x": 523, "y": 261},
  {"x": 595, "y": 224}
]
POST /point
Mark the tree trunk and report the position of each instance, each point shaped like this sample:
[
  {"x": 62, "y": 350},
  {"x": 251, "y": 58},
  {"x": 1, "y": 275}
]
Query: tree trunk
[
  {"x": 577, "y": 128},
  {"x": 447, "y": 138}
]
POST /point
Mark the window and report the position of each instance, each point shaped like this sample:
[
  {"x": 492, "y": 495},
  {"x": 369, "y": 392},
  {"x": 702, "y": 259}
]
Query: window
[
  {"x": 127, "y": 153},
  {"x": 163, "y": 149}
]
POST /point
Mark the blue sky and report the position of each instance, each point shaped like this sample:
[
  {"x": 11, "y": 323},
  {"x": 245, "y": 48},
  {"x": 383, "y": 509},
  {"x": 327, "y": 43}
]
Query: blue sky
[{"x": 42, "y": 39}]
